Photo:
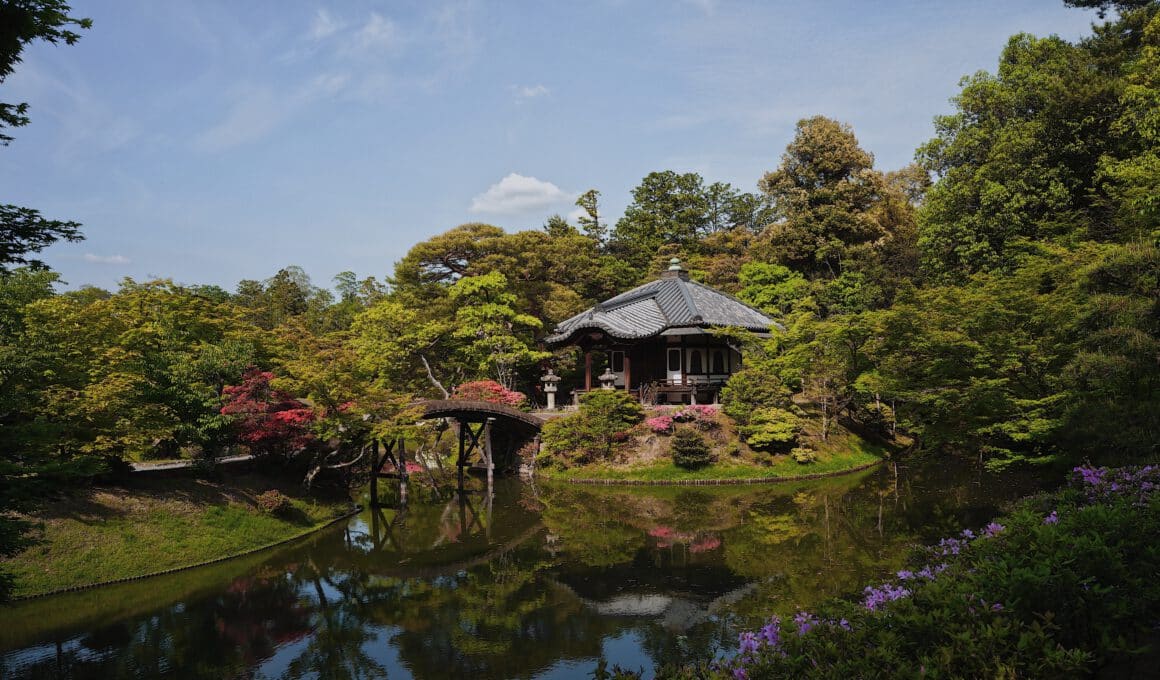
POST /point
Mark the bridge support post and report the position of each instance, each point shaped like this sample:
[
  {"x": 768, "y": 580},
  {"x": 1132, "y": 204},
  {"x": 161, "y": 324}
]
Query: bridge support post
[
  {"x": 375, "y": 474},
  {"x": 402, "y": 466},
  {"x": 488, "y": 455},
  {"x": 377, "y": 462},
  {"x": 461, "y": 461}
]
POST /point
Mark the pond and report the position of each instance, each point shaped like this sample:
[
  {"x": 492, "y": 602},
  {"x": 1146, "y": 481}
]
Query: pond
[{"x": 540, "y": 582}]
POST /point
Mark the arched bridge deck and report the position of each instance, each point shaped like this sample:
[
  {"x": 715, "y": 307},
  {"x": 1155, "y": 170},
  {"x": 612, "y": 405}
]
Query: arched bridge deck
[{"x": 478, "y": 411}]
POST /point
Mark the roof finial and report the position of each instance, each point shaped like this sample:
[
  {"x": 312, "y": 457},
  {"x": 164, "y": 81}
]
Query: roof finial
[{"x": 675, "y": 265}]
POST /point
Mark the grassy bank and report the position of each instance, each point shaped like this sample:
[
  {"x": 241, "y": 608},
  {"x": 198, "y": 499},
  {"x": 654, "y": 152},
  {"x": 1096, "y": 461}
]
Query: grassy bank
[
  {"x": 150, "y": 525},
  {"x": 842, "y": 451}
]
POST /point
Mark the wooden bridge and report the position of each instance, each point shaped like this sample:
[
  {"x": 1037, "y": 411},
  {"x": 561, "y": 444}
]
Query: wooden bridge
[
  {"x": 479, "y": 423},
  {"x": 477, "y": 411}
]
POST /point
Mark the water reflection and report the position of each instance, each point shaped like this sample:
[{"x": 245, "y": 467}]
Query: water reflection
[{"x": 535, "y": 582}]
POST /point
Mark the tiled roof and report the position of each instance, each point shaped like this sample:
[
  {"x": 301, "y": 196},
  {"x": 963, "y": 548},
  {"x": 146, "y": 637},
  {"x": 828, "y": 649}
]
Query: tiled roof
[{"x": 670, "y": 302}]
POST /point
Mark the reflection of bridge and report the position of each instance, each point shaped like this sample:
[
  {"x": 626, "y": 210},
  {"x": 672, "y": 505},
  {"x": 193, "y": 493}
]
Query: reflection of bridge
[{"x": 480, "y": 424}]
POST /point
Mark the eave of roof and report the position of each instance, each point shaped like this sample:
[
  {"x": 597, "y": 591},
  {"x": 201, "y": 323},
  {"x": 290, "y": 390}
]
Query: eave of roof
[{"x": 652, "y": 308}]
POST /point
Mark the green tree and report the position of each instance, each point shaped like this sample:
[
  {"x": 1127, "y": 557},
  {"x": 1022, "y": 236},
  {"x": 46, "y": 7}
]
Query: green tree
[
  {"x": 590, "y": 221},
  {"x": 23, "y": 231},
  {"x": 667, "y": 209},
  {"x": 498, "y": 339},
  {"x": 1055, "y": 147},
  {"x": 823, "y": 195}
]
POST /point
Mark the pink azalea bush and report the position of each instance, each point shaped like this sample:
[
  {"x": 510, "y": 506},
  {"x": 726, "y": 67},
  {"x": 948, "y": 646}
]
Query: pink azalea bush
[
  {"x": 660, "y": 424},
  {"x": 489, "y": 391}
]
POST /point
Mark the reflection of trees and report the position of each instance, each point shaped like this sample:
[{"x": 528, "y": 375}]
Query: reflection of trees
[
  {"x": 498, "y": 620},
  {"x": 458, "y": 591},
  {"x": 339, "y": 646},
  {"x": 222, "y": 636}
]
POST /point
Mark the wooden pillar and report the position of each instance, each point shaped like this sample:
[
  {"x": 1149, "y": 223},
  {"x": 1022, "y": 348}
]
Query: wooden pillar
[
  {"x": 462, "y": 443},
  {"x": 588, "y": 369},
  {"x": 375, "y": 474},
  {"x": 488, "y": 455},
  {"x": 402, "y": 463},
  {"x": 627, "y": 371}
]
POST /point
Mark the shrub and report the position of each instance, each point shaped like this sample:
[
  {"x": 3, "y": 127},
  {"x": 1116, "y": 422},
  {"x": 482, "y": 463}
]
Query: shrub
[
  {"x": 603, "y": 419},
  {"x": 612, "y": 409},
  {"x": 274, "y": 502},
  {"x": 701, "y": 416},
  {"x": 803, "y": 455},
  {"x": 562, "y": 443},
  {"x": 771, "y": 429},
  {"x": 690, "y": 450},
  {"x": 660, "y": 424},
  {"x": 1064, "y": 586},
  {"x": 748, "y": 391},
  {"x": 489, "y": 391}
]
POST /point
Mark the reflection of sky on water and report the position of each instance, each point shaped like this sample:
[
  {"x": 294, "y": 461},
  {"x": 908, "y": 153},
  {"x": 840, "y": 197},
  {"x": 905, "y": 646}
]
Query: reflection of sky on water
[{"x": 532, "y": 585}]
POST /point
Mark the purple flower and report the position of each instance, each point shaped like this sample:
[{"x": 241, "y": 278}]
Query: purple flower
[
  {"x": 996, "y": 607},
  {"x": 876, "y": 597},
  {"x": 740, "y": 674},
  {"x": 1091, "y": 476},
  {"x": 1053, "y": 518},
  {"x": 905, "y": 574},
  {"x": 771, "y": 633},
  {"x": 805, "y": 621},
  {"x": 968, "y": 534},
  {"x": 747, "y": 643},
  {"x": 993, "y": 529},
  {"x": 844, "y": 625}
]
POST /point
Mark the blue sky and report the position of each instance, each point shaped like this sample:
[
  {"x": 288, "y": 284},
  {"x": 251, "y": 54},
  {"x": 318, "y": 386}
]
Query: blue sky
[{"x": 210, "y": 141}]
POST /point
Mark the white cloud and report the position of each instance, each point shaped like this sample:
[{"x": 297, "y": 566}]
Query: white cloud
[
  {"x": 530, "y": 91},
  {"x": 261, "y": 110},
  {"x": 105, "y": 259},
  {"x": 252, "y": 117},
  {"x": 377, "y": 33},
  {"x": 516, "y": 194},
  {"x": 324, "y": 25}
]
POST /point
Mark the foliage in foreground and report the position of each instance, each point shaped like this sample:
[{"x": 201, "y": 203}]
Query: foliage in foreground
[{"x": 1061, "y": 587}]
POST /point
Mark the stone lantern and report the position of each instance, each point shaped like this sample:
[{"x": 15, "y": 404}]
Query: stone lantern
[
  {"x": 607, "y": 379},
  {"x": 550, "y": 387}
]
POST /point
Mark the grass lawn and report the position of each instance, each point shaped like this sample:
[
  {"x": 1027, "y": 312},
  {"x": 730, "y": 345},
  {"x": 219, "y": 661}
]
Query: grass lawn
[
  {"x": 843, "y": 451},
  {"x": 149, "y": 525}
]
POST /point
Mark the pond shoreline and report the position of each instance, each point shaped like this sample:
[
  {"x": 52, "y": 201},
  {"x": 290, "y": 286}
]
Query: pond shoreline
[
  {"x": 717, "y": 482},
  {"x": 354, "y": 510}
]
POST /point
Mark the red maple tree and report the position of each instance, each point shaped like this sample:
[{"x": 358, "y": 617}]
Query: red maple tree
[{"x": 269, "y": 420}]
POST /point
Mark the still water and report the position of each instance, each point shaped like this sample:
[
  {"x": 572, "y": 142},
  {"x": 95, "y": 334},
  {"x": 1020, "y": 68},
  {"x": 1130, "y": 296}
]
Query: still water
[{"x": 540, "y": 582}]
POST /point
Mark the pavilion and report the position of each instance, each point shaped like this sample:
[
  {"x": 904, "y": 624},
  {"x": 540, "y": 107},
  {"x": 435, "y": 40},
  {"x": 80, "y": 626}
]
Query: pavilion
[{"x": 657, "y": 340}]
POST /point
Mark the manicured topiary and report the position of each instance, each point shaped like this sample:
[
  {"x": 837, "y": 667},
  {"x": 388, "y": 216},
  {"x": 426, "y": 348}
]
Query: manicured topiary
[{"x": 690, "y": 450}]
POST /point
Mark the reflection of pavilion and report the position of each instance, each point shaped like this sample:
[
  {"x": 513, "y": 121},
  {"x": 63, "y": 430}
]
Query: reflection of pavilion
[{"x": 680, "y": 593}]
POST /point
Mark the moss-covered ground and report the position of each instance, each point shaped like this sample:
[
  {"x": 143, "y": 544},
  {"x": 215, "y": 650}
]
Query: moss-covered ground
[{"x": 144, "y": 526}]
